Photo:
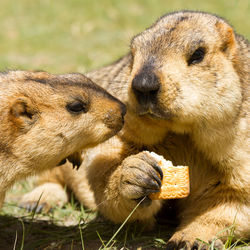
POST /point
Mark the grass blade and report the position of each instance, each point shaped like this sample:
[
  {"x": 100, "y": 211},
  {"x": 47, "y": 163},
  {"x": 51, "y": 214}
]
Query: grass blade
[
  {"x": 23, "y": 236},
  {"x": 80, "y": 229},
  {"x": 122, "y": 225}
]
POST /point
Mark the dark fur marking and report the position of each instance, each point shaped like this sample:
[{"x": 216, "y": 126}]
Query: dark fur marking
[
  {"x": 183, "y": 18},
  {"x": 217, "y": 184},
  {"x": 4, "y": 148},
  {"x": 179, "y": 20},
  {"x": 172, "y": 29},
  {"x": 38, "y": 80}
]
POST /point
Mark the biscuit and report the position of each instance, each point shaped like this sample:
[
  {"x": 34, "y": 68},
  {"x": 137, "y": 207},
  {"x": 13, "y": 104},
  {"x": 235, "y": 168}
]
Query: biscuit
[{"x": 175, "y": 182}]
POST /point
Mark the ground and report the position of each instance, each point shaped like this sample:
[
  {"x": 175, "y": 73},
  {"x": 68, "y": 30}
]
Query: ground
[
  {"x": 76, "y": 36},
  {"x": 70, "y": 227}
]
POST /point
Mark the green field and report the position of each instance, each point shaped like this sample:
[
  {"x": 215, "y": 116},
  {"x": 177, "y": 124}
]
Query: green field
[{"x": 76, "y": 36}]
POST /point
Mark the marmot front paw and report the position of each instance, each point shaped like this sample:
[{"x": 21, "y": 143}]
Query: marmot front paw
[{"x": 141, "y": 175}]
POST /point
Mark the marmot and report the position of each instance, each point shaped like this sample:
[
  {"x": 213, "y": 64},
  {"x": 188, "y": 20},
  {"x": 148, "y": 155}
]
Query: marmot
[
  {"x": 185, "y": 82},
  {"x": 45, "y": 118}
]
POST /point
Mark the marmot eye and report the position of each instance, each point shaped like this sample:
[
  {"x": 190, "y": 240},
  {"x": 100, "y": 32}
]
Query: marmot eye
[
  {"x": 77, "y": 107},
  {"x": 197, "y": 56}
]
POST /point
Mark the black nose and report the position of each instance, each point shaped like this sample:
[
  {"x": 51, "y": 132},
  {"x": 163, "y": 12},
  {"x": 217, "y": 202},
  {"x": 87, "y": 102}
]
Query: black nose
[{"x": 145, "y": 86}]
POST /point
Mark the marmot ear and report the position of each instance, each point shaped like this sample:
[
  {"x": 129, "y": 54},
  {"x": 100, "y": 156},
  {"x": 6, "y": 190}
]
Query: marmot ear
[
  {"x": 226, "y": 32},
  {"x": 23, "y": 112}
]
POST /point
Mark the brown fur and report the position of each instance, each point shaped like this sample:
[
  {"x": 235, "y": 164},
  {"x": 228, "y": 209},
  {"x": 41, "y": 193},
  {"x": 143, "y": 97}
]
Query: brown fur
[
  {"x": 200, "y": 119},
  {"x": 37, "y": 129}
]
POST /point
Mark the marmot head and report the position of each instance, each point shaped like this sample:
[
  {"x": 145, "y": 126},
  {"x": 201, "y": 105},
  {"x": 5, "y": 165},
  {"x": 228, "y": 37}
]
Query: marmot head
[
  {"x": 53, "y": 116},
  {"x": 183, "y": 71}
]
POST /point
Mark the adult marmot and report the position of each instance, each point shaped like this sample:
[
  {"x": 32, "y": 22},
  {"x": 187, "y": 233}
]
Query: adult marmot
[{"x": 186, "y": 85}]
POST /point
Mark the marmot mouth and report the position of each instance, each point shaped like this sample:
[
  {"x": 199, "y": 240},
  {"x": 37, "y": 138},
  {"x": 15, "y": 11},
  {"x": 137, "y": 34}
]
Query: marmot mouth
[{"x": 155, "y": 113}]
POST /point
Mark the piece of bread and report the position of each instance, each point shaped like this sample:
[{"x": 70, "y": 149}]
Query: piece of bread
[{"x": 175, "y": 182}]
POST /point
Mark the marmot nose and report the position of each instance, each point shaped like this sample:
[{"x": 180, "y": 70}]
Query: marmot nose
[{"x": 145, "y": 86}]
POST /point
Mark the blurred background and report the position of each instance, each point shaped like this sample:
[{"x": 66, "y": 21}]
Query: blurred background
[{"x": 79, "y": 35}]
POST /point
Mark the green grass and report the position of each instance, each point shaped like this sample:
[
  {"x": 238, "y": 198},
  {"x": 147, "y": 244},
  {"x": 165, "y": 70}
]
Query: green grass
[
  {"x": 73, "y": 227},
  {"x": 76, "y": 36}
]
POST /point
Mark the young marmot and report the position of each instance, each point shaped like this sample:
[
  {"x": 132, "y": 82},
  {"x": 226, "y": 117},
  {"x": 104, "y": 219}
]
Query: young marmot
[
  {"x": 46, "y": 118},
  {"x": 186, "y": 86}
]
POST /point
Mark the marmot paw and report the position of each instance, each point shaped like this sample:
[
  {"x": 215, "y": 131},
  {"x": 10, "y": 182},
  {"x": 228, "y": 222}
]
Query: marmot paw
[
  {"x": 44, "y": 197},
  {"x": 141, "y": 175}
]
